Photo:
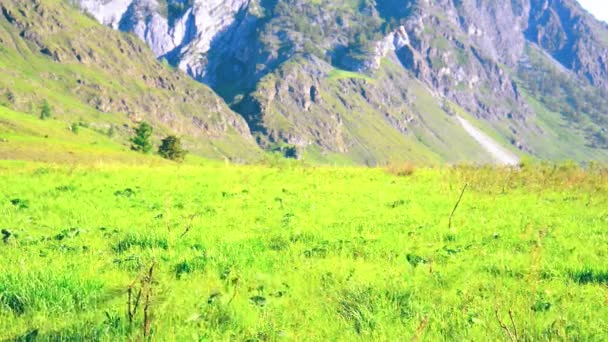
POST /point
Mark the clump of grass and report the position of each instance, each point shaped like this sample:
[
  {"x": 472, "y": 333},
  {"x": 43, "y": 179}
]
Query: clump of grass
[
  {"x": 20, "y": 203},
  {"x": 415, "y": 260},
  {"x": 68, "y": 234},
  {"x": 128, "y": 192},
  {"x": 589, "y": 276},
  {"x": 47, "y": 292},
  {"x": 401, "y": 169},
  {"x": 196, "y": 264},
  {"x": 358, "y": 307},
  {"x": 131, "y": 263},
  {"x": 75, "y": 128},
  {"x": 141, "y": 241},
  {"x": 66, "y": 188},
  {"x": 278, "y": 243}
]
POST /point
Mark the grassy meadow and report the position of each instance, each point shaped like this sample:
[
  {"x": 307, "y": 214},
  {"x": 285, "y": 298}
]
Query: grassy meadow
[
  {"x": 102, "y": 243},
  {"x": 293, "y": 252}
]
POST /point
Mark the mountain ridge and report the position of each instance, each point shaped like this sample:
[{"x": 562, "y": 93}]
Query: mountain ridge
[{"x": 373, "y": 82}]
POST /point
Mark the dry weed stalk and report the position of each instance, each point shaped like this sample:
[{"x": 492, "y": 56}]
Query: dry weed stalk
[
  {"x": 510, "y": 331},
  {"x": 133, "y": 302},
  {"x": 421, "y": 328},
  {"x": 456, "y": 206}
]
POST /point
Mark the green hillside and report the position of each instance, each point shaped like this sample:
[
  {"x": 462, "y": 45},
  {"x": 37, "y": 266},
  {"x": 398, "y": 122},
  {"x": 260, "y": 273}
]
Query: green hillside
[
  {"x": 51, "y": 52},
  {"x": 26, "y": 137}
]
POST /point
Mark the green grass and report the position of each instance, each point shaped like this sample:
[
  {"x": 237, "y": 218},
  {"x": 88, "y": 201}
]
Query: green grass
[
  {"x": 338, "y": 74},
  {"x": 27, "y": 137},
  {"x": 302, "y": 253}
]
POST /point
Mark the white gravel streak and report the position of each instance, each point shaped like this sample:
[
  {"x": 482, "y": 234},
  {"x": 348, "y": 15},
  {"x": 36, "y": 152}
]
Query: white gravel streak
[{"x": 500, "y": 154}]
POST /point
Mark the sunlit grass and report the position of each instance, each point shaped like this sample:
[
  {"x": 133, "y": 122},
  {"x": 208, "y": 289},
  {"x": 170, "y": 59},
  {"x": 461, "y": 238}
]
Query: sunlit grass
[{"x": 305, "y": 253}]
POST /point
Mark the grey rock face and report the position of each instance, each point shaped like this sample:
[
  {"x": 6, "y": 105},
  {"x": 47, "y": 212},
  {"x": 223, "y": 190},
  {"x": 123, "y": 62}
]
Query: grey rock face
[
  {"x": 184, "y": 37},
  {"x": 571, "y": 36},
  {"x": 109, "y": 13},
  {"x": 201, "y": 29}
]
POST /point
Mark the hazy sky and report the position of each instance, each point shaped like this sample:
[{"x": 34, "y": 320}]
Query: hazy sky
[{"x": 599, "y": 8}]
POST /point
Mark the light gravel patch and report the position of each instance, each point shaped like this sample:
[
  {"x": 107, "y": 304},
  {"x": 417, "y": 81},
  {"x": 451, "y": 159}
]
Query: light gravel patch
[{"x": 500, "y": 154}]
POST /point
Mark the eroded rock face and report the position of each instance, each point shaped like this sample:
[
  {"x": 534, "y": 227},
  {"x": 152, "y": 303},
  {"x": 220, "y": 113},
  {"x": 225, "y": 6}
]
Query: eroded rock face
[
  {"x": 183, "y": 35},
  {"x": 109, "y": 13},
  {"x": 572, "y": 37},
  {"x": 186, "y": 32}
]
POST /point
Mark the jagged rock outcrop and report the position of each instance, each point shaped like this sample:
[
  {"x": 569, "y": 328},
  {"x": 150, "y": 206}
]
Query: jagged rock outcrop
[
  {"x": 180, "y": 31},
  {"x": 572, "y": 37}
]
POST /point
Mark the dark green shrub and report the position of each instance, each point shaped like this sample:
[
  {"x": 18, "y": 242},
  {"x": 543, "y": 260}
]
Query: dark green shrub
[
  {"x": 20, "y": 203},
  {"x": 75, "y": 128},
  {"x": 589, "y": 276},
  {"x": 13, "y": 302},
  {"x": 141, "y": 141},
  {"x": 171, "y": 148},
  {"x": 8, "y": 98},
  {"x": 128, "y": 192},
  {"x": 284, "y": 149},
  {"x": 45, "y": 110},
  {"x": 196, "y": 264}
]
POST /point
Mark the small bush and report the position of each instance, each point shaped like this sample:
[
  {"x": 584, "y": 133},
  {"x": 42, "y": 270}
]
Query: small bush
[
  {"x": 128, "y": 192},
  {"x": 13, "y": 302},
  {"x": 45, "y": 110},
  {"x": 75, "y": 128},
  {"x": 401, "y": 170},
  {"x": 111, "y": 131},
  {"x": 196, "y": 264},
  {"x": 171, "y": 148},
  {"x": 20, "y": 203},
  {"x": 9, "y": 98},
  {"x": 284, "y": 149},
  {"x": 141, "y": 141},
  {"x": 143, "y": 242}
]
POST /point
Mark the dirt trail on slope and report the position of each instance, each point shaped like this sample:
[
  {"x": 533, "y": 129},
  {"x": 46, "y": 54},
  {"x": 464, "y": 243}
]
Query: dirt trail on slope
[{"x": 500, "y": 154}]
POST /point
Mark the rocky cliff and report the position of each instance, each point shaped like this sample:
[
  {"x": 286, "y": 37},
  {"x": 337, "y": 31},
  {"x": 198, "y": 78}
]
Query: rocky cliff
[{"x": 179, "y": 31}]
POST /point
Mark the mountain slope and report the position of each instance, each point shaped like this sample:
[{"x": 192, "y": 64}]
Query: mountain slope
[
  {"x": 89, "y": 73},
  {"x": 367, "y": 82},
  {"x": 379, "y": 80}
]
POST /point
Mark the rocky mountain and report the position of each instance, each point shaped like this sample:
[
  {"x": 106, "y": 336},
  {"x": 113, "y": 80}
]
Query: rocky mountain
[{"x": 375, "y": 81}]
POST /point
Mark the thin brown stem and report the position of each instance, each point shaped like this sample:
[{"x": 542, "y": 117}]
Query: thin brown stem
[
  {"x": 457, "y": 204},
  {"x": 504, "y": 327}
]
